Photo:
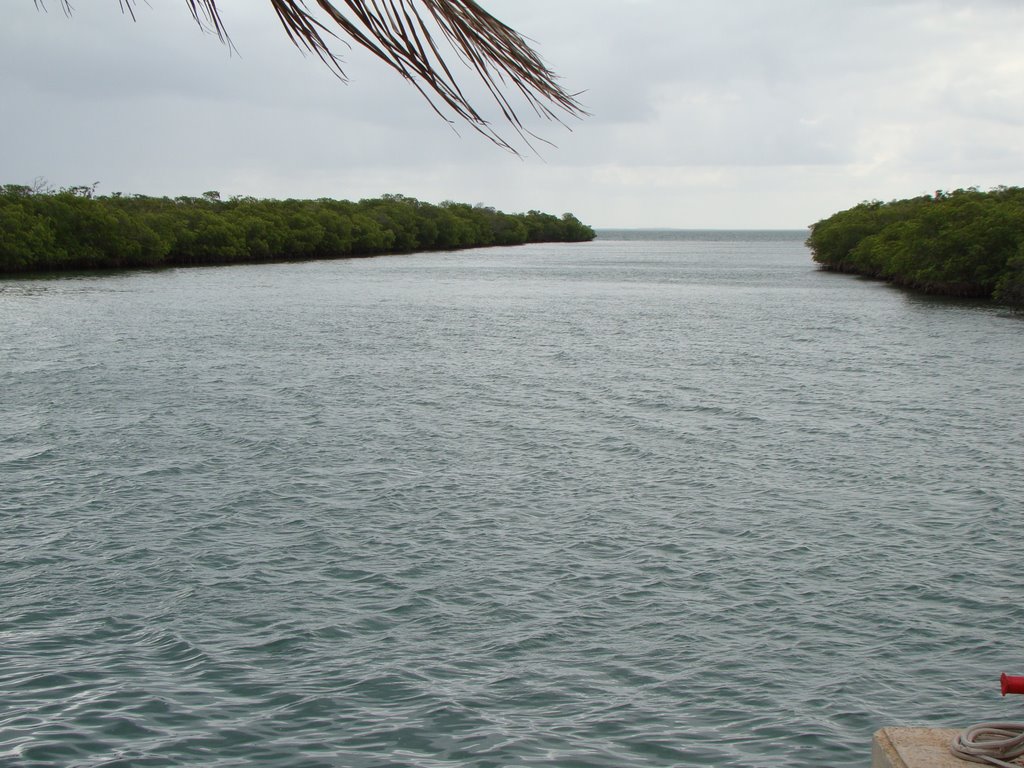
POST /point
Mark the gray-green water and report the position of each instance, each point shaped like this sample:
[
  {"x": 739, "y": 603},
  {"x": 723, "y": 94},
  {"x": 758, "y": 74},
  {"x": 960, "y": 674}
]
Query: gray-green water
[{"x": 657, "y": 500}]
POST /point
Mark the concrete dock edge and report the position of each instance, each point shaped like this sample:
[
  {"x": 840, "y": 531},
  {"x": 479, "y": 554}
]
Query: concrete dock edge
[{"x": 895, "y": 747}]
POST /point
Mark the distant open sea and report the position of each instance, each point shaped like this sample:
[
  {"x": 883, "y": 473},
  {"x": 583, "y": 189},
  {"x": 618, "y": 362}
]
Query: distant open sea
[{"x": 663, "y": 499}]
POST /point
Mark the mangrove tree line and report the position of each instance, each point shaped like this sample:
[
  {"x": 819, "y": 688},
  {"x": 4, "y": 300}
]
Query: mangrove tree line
[
  {"x": 963, "y": 243},
  {"x": 73, "y": 229}
]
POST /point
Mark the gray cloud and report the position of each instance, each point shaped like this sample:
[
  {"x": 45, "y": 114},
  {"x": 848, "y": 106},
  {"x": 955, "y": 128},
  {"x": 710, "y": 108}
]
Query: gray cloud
[{"x": 748, "y": 113}]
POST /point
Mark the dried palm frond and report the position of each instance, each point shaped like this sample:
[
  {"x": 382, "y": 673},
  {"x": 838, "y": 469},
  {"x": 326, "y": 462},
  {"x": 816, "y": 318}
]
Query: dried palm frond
[{"x": 404, "y": 35}]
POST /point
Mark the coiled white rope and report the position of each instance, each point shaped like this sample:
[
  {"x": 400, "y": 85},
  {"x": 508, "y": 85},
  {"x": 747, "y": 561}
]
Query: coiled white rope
[{"x": 990, "y": 744}]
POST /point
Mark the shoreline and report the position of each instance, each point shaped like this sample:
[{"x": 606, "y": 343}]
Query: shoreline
[{"x": 72, "y": 230}]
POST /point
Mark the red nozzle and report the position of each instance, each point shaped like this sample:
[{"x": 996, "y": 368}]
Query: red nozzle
[{"x": 1011, "y": 683}]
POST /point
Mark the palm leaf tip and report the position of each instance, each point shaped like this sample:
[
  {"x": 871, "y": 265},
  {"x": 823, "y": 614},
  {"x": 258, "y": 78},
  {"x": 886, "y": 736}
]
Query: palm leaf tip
[{"x": 405, "y": 35}]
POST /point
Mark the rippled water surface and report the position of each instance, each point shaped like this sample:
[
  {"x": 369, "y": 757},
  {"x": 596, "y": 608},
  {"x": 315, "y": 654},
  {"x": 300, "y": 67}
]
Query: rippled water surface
[{"x": 654, "y": 500}]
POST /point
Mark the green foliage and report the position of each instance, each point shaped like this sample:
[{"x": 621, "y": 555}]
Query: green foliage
[
  {"x": 1010, "y": 286},
  {"x": 961, "y": 243},
  {"x": 73, "y": 228},
  {"x": 26, "y": 239}
]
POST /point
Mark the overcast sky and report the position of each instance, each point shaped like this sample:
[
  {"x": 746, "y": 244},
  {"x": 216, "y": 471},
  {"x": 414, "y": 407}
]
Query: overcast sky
[{"x": 705, "y": 114}]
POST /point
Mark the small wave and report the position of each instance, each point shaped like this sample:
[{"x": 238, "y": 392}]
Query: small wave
[{"x": 26, "y": 455}]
